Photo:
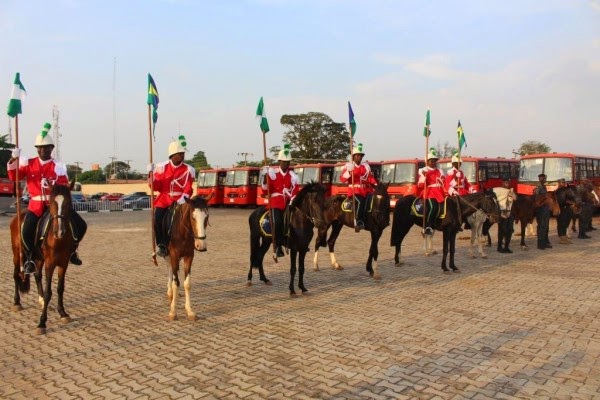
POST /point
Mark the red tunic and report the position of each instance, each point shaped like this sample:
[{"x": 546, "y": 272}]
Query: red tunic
[
  {"x": 283, "y": 187},
  {"x": 434, "y": 179},
  {"x": 457, "y": 183},
  {"x": 38, "y": 174},
  {"x": 171, "y": 182},
  {"x": 363, "y": 179}
]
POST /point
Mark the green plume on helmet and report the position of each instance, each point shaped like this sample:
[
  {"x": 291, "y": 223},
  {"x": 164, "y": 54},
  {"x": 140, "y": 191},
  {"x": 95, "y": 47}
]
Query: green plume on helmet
[
  {"x": 286, "y": 149},
  {"x": 182, "y": 140},
  {"x": 359, "y": 147},
  {"x": 45, "y": 130}
]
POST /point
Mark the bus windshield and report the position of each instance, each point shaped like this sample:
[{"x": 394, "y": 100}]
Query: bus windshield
[
  {"x": 398, "y": 173},
  {"x": 207, "y": 179},
  {"x": 236, "y": 178},
  {"x": 337, "y": 174},
  {"x": 310, "y": 175},
  {"x": 554, "y": 168}
]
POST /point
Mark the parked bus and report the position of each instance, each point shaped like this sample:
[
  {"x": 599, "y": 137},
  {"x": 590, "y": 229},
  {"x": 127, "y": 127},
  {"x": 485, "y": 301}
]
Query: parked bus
[
  {"x": 211, "y": 182},
  {"x": 240, "y": 186},
  {"x": 402, "y": 176},
  {"x": 485, "y": 173},
  {"x": 337, "y": 187},
  {"x": 571, "y": 167},
  {"x": 322, "y": 173}
]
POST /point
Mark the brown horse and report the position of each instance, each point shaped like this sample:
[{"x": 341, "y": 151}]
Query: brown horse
[
  {"x": 377, "y": 219},
  {"x": 524, "y": 208},
  {"x": 187, "y": 235},
  {"x": 55, "y": 248}
]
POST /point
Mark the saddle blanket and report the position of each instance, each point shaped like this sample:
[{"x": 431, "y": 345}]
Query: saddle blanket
[
  {"x": 417, "y": 208},
  {"x": 347, "y": 204}
]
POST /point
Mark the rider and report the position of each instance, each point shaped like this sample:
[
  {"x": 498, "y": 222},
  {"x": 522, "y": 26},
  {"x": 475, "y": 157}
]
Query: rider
[
  {"x": 173, "y": 181},
  {"x": 360, "y": 181},
  {"x": 39, "y": 172},
  {"x": 431, "y": 188},
  {"x": 456, "y": 182},
  {"x": 542, "y": 216},
  {"x": 505, "y": 226},
  {"x": 564, "y": 218},
  {"x": 282, "y": 184}
]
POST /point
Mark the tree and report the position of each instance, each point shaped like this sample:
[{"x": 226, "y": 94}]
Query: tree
[
  {"x": 199, "y": 161},
  {"x": 96, "y": 176},
  {"x": 73, "y": 171},
  {"x": 4, "y": 144},
  {"x": 121, "y": 170},
  {"x": 445, "y": 150},
  {"x": 315, "y": 137},
  {"x": 533, "y": 147}
]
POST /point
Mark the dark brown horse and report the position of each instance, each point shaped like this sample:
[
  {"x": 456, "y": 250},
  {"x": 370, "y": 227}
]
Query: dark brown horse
[
  {"x": 524, "y": 208},
  {"x": 404, "y": 219},
  {"x": 54, "y": 251},
  {"x": 588, "y": 194},
  {"x": 302, "y": 215},
  {"x": 377, "y": 214},
  {"x": 187, "y": 235}
]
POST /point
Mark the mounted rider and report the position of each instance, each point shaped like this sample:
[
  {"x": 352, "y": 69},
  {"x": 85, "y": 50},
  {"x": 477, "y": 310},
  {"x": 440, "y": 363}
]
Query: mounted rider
[
  {"x": 456, "y": 183},
  {"x": 430, "y": 187},
  {"x": 39, "y": 172},
  {"x": 361, "y": 183},
  {"x": 173, "y": 181},
  {"x": 282, "y": 184}
]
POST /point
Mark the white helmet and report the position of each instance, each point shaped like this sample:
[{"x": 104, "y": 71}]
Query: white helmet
[
  {"x": 285, "y": 154},
  {"x": 456, "y": 158},
  {"x": 44, "y": 139},
  {"x": 177, "y": 146},
  {"x": 358, "y": 149},
  {"x": 432, "y": 154}
]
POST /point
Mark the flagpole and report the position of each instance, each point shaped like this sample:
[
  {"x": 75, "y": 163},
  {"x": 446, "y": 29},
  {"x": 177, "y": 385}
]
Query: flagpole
[
  {"x": 352, "y": 179},
  {"x": 426, "y": 152},
  {"x": 18, "y": 188},
  {"x": 151, "y": 176},
  {"x": 271, "y": 220}
]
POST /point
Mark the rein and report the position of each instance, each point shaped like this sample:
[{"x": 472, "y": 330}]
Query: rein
[{"x": 460, "y": 198}]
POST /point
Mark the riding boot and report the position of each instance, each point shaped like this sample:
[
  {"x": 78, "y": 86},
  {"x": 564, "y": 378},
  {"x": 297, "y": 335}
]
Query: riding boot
[
  {"x": 29, "y": 264},
  {"x": 74, "y": 259},
  {"x": 162, "y": 250},
  {"x": 506, "y": 244}
]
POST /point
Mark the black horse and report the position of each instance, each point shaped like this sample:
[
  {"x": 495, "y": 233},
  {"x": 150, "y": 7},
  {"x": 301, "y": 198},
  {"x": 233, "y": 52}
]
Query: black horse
[
  {"x": 302, "y": 215},
  {"x": 337, "y": 215},
  {"x": 404, "y": 219}
]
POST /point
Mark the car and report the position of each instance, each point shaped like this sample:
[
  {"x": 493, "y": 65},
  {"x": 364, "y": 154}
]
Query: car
[
  {"x": 111, "y": 197},
  {"x": 137, "y": 202},
  {"x": 97, "y": 196},
  {"x": 80, "y": 203}
]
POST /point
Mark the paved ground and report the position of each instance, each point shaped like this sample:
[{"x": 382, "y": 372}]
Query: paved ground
[{"x": 525, "y": 325}]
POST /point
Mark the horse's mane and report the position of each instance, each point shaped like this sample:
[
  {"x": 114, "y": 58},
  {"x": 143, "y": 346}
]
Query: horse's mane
[{"x": 311, "y": 187}]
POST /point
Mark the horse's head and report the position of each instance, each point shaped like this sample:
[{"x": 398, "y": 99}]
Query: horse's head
[
  {"x": 505, "y": 198},
  {"x": 311, "y": 202},
  {"x": 488, "y": 203},
  {"x": 198, "y": 217},
  {"x": 381, "y": 205},
  {"x": 59, "y": 207},
  {"x": 567, "y": 196}
]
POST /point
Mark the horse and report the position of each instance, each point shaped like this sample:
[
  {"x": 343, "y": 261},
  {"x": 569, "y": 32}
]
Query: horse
[
  {"x": 524, "y": 207},
  {"x": 56, "y": 243},
  {"x": 377, "y": 218},
  {"x": 187, "y": 234},
  {"x": 588, "y": 194},
  {"x": 302, "y": 215},
  {"x": 480, "y": 223},
  {"x": 449, "y": 224}
]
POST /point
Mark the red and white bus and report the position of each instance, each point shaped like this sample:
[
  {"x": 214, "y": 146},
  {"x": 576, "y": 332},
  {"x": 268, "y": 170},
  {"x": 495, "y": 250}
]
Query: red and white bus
[
  {"x": 570, "y": 167},
  {"x": 211, "y": 182},
  {"x": 337, "y": 187},
  {"x": 485, "y": 173},
  {"x": 321, "y": 173},
  {"x": 240, "y": 186},
  {"x": 402, "y": 176}
]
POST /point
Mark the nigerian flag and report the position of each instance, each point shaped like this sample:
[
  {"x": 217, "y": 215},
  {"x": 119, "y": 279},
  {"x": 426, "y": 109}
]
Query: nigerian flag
[
  {"x": 260, "y": 113},
  {"x": 462, "y": 141},
  {"x": 17, "y": 95}
]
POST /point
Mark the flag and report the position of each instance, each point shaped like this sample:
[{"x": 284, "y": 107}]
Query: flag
[
  {"x": 351, "y": 119},
  {"x": 17, "y": 95},
  {"x": 461, "y": 137},
  {"x": 426, "y": 130},
  {"x": 153, "y": 97},
  {"x": 260, "y": 113}
]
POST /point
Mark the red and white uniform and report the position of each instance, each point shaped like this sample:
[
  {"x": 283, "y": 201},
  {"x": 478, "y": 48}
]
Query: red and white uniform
[
  {"x": 363, "y": 179},
  {"x": 433, "y": 178},
  {"x": 172, "y": 182},
  {"x": 283, "y": 187},
  {"x": 38, "y": 174},
  {"x": 457, "y": 183}
]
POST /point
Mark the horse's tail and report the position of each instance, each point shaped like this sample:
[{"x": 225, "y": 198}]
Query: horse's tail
[
  {"x": 400, "y": 220},
  {"x": 255, "y": 236},
  {"x": 24, "y": 285}
]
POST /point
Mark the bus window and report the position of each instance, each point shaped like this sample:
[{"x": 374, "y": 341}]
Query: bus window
[
  {"x": 310, "y": 174},
  {"x": 254, "y": 177},
  {"x": 557, "y": 168},
  {"x": 530, "y": 169},
  {"x": 326, "y": 174},
  {"x": 387, "y": 173},
  {"x": 482, "y": 174}
]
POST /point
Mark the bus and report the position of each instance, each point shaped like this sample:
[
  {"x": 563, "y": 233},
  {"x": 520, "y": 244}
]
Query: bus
[
  {"x": 337, "y": 187},
  {"x": 211, "y": 182},
  {"x": 240, "y": 186},
  {"x": 485, "y": 173},
  {"x": 402, "y": 176},
  {"x": 573, "y": 168},
  {"x": 322, "y": 173}
]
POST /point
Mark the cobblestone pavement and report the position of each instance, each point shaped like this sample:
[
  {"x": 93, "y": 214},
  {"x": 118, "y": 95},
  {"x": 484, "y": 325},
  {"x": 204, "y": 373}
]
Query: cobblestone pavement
[{"x": 523, "y": 325}]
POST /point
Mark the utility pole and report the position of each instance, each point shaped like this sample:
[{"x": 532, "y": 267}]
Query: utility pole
[
  {"x": 77, "y": 168},
  {"x": 55, "y": 114},
  {"x": 113, "y": 174},
  {"x": 245, "y": 155},
  {"x": 127, "y": 170}
]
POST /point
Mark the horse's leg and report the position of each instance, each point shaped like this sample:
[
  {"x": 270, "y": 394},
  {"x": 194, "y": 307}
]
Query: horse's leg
[
  {"x": 372, "y": 265},
  {"x": 336, "y": 228},
  {"x": 452, "y": 248},
  {"x": 38, "y": 282},
  {"x": 473, "y": 222},
  {"x": 174, "y": 287},
  {"x": 403, "y": 230},
  {"x": 293, "y": 253},
  {"x": 320, "y": 242},
  {"x": 264, "y": 248},
  {"x": 169, "y": 286},
  {"x": 60, "y": 290},
  {"x": 445, "y": 239},
  {"x": 523, "y": 228},
  {"x": 301, "y": 257},
  {"x": 480, "y": 239},
  {"x": 187, "y": 286},
  {"x": 41, "y": 329}
]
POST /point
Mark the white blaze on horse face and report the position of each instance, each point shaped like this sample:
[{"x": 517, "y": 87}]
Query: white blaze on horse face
[
  {"x": 60, "y": 200},
  {"x": 200, "y": 217}
]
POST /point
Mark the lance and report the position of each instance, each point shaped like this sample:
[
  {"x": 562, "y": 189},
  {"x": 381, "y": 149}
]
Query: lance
[
  {"x": 18, "y": 189},
  {"x": 426, "y": 133},
  {"x": 151, "y": 176}
]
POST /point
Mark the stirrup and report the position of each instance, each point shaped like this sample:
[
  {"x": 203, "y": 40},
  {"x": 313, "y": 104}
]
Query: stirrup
[
  {"x": 279, "y": 252},
  {"x": 29, "y": 267},
  {"x": 428, "y": 231}
]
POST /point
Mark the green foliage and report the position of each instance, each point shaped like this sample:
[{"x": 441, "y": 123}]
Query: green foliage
[
  {"x": 199, "y": 161},
  {"x": 92, "y": 177},
  {"x": 445, "y": 150},
  {"x": 117, "y": 170},
  {"x": 533, "y": 147},
  {"x": 4, "y": 144},
  {"x": 314, "y": 137}
]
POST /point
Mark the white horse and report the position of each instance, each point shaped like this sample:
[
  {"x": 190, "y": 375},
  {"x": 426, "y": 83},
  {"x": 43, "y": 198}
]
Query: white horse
[{"x": 505, "y": 198}]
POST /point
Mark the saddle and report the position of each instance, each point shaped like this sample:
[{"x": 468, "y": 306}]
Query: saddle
[
  {"x": 347, "y": 204},
  {"x": 416, "y": 208},
  {"x": 264, "y": 222}
]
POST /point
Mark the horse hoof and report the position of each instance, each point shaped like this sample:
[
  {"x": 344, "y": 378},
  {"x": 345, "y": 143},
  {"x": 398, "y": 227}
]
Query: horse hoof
[
  {"x": 268, "y": 283},
  {"x": 473, "y": 256},
  {"x": 305, "y": 292},
  {"x": 293, "y": 294},
  {"x": 17, "y": 307},
  {"x": 192, "y": 317},
  {"x": 65, "y": 320},
  {"x": 315, "y": 268},
  {"x": 172, "y": 317},
  {"x": 41, "y": 331},
  {"x": 398, "y": 264},
  {"x": 456, "y": 271},
  {"x": 446, "y": 272},
  {"x": 484, "y": 256},
  {"x": 248, "y": 283},
  {"x": 377, "y": 277}
]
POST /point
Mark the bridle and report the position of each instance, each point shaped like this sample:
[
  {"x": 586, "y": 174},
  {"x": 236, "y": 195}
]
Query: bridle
[{"x": 474, "y": 207}]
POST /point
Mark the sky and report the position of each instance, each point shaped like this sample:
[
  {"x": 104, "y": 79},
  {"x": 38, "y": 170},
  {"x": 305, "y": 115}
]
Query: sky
[{"x": 510, "y": 70}]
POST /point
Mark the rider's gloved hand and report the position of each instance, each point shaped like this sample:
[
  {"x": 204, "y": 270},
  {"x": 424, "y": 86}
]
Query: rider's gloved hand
[
  {"x": 150, "y": 167},
  {"x": 182, "y": 199},
  {"x": 16, "y": 152}
]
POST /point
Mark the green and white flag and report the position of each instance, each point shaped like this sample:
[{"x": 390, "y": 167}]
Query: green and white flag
[
  {"x": 16, "y": 97},
  {"x": 260, "y": 113}
]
